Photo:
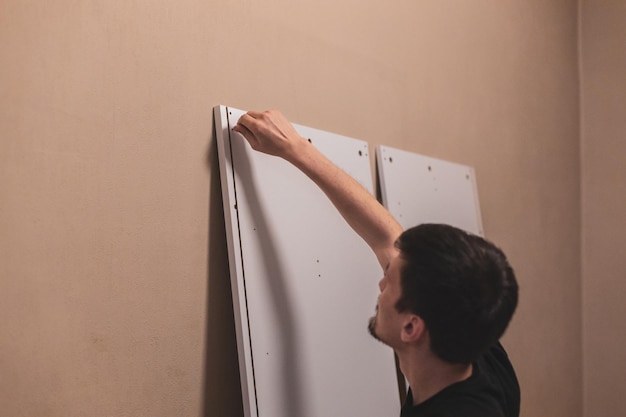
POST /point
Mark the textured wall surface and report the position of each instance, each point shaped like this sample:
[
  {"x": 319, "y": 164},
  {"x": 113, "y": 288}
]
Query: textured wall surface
[
  {"x": 603, "y": 42},
  {"x": 114, "y": 291}
]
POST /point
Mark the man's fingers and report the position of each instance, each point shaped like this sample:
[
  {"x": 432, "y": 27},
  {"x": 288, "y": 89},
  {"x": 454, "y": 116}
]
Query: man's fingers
[
  {"x": 243, "y": 129},
  {"x": 244, "y": 120},
  {"x": 240, "y": 128},
  {"x": 249, "y": 136},
  {"x": 255, "y": 114},
  {"x": 249, "y": 120},
  {"x": 251, "y": 116}
]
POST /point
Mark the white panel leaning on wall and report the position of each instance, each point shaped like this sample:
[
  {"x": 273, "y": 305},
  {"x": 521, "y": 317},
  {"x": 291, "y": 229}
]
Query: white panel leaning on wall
[
  {"x": 419, "y": 189},
  {"x": 304, "y": 285}
]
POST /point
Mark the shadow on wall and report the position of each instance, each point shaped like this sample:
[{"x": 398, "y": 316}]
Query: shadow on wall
[{"x": 222, "y": 388}]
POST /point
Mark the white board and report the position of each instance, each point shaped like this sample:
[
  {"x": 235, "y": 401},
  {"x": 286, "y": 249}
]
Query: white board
[
  {"x": 304, "y": 285},
  {"x": 419, "y": 189}
]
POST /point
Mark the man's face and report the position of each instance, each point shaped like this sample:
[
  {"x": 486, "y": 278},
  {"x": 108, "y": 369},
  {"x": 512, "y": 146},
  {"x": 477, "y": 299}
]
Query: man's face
[{"x": 386, "y": 326}]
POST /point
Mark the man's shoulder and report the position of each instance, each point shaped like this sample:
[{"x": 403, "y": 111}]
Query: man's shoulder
[
  {"x": 491, "y": 391},
  {"x": 457, "y": 403}
]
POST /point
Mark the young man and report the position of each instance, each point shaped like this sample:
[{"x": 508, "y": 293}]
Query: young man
[{"x": 446, "y": 296}]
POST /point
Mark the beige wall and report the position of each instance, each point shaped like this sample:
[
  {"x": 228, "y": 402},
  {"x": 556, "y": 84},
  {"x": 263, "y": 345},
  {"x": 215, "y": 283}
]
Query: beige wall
[
  {"x": 603, "y": 36},
  {"x": 114, "y": 291}
]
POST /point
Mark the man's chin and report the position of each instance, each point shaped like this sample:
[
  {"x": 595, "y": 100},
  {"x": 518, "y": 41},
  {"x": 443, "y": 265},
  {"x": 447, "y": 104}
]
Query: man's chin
[{"x": 371, "y": 327}]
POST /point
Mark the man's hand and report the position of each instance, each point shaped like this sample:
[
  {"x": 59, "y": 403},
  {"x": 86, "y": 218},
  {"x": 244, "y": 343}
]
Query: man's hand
[{"x": 271, "y": 133}]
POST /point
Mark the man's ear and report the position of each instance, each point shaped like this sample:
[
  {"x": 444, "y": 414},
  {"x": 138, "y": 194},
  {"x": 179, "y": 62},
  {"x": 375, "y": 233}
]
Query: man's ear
[{"x": 413, "y": 328}]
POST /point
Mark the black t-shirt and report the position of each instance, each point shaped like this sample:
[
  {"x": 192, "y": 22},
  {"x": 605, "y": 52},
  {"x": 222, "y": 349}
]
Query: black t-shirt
[{"x": 491, "y": 391}]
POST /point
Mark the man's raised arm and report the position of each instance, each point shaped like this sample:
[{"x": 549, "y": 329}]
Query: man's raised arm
[{"x": 271, "y": 133}]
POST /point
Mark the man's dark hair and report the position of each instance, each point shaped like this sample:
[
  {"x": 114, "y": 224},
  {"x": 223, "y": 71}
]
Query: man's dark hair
[{"x": 461, "y": 285}]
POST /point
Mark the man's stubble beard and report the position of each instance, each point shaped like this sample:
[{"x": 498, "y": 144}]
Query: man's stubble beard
[{"x": 371, "y": 327}]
